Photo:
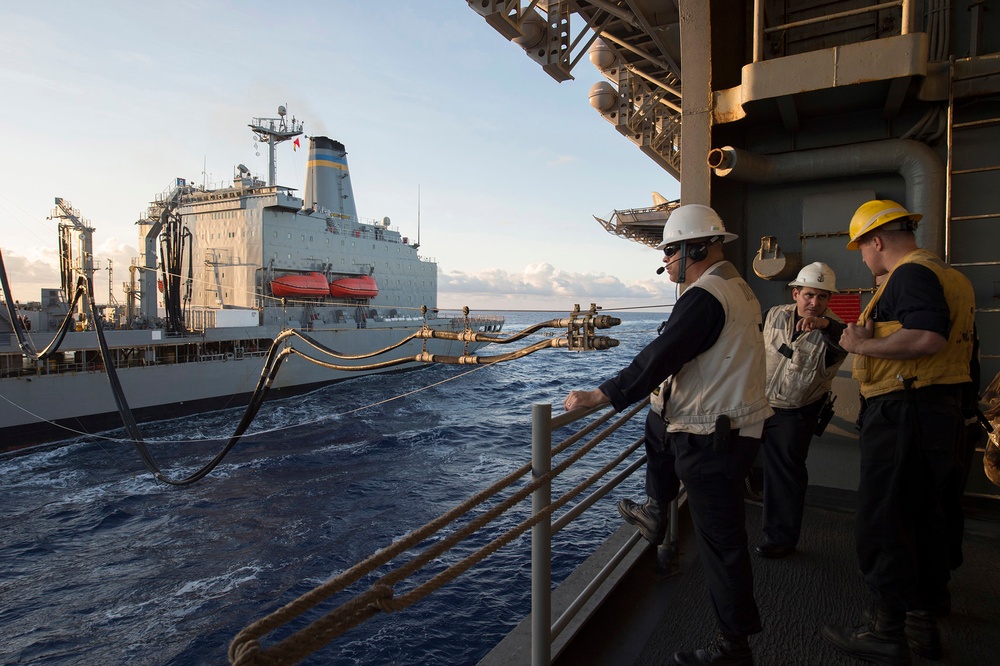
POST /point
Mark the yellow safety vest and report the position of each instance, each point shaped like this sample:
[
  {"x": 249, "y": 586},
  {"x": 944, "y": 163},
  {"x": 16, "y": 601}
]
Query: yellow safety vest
[{"x": 950, "y": 365}]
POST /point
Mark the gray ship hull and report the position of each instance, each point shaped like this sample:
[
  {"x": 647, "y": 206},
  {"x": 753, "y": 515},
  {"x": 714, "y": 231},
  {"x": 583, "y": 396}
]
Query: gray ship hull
[{"x": 77, "y": 399}]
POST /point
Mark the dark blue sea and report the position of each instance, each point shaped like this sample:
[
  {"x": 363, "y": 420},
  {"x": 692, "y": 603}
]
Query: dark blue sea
[{"x": 101, "y": 564}]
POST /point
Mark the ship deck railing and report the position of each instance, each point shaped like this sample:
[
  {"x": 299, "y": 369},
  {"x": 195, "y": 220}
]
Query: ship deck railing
[{"x": 548, "y": 634}]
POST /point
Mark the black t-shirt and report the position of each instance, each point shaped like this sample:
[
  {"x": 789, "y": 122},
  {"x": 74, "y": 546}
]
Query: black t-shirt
[
  {"x": 914, "y": 297},
  {"x": 694, "y": 326}
]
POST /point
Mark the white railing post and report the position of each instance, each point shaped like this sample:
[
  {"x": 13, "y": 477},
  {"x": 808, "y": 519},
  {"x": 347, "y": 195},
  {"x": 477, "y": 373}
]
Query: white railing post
[{"x": 541, "y": 544}]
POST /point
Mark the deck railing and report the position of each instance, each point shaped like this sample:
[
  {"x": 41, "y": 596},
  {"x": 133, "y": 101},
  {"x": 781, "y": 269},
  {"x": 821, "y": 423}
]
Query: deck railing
[
  {"x": 761, "y": 29},
  {"x": 543, "y": 629}
]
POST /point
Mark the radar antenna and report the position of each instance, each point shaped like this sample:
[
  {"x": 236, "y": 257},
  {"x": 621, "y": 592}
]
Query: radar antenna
[{"x": 273, "y": 131}]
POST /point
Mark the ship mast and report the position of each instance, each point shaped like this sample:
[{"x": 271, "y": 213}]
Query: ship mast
[
  {"x": 84, "y": 262},
  {"x": 273, "y": 131}
]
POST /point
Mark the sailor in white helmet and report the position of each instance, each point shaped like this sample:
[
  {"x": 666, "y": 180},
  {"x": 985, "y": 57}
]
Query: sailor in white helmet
[
  {"x": 801, "y": 341},
  {"x": 705, "y": 370}
]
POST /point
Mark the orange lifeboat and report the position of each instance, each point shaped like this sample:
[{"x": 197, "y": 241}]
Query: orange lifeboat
[
  {"x": 362, "y": 286},
  {"x": 313, "y": 284}
]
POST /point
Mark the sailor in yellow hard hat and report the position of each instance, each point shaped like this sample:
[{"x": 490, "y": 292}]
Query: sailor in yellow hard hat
[{"x": 913, "y": 350}]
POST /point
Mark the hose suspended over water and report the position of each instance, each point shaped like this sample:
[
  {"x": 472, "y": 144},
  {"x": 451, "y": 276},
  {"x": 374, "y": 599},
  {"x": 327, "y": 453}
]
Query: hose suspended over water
[{"x": 579, "y": 326}]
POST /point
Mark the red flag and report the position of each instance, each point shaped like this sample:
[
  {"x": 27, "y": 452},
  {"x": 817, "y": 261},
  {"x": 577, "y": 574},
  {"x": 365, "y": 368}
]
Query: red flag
[{"x": 295, "y": 144}]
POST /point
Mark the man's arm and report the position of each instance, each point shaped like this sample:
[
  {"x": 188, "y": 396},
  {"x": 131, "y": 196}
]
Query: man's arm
[
  {"x": 693, "y": 327},
  {"x": 906, "y": 343},
  {"x": 913, "y": 297}
]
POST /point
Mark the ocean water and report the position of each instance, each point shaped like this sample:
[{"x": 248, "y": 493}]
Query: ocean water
[{"x": 103, "y": 565}]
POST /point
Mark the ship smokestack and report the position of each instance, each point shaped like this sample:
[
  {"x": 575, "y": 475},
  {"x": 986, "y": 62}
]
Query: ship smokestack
[{"x": 328, "y": 180}]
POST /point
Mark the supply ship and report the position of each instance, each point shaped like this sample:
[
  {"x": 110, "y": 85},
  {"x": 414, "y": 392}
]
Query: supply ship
[{"x": 223, "y": 272}]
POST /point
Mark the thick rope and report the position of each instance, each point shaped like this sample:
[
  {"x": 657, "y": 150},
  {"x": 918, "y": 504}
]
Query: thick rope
[{"x": 245, "y": 649}]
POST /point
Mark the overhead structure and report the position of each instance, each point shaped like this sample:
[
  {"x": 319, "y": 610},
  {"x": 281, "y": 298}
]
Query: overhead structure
[
  {"x": 795, "y": 113},
  {"x": 643, "y": 225},
  {"x": 636, "y": 46}
]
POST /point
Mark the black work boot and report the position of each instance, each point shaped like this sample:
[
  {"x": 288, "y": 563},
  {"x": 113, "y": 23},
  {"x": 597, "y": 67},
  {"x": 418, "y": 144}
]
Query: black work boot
[
  {"x": 921, "y": 631},
  {"x": 922, "y": 634},
  {"x": 882, "y": 641},
  {"x": 647, "y": 517},
  {"x": 725, "y": 651}
]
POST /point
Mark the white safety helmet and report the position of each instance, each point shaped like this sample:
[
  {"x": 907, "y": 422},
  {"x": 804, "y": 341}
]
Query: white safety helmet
[
  {"x": 693, "y": 222},
  {"x": 816, "y": 275}
]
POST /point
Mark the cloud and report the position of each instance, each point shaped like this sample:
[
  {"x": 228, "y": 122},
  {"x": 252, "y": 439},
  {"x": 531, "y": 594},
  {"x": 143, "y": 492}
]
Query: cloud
[
  {"x": 28, "y": 276},
  {"x": 544, "y": 285}
]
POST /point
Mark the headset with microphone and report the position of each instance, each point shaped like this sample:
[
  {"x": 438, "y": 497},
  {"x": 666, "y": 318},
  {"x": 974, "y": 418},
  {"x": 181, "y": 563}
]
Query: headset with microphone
[{"x": 697, "y": 252}]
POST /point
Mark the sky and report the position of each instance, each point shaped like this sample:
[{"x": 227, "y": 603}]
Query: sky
[{"x": 108, "y": 102}]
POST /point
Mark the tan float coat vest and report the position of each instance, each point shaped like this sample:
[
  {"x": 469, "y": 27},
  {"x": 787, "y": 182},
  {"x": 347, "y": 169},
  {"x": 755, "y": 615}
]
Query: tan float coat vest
[
  {"x": 729, "y": 377},
  {"x": 804, "y": 378}
]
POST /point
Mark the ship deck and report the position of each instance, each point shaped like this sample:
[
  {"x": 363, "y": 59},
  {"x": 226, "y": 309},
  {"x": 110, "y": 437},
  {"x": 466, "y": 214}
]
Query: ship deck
[{"x": 649, "y": 616}]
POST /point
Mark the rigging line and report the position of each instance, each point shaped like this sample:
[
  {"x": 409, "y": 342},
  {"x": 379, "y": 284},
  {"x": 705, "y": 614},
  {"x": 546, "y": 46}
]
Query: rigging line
[
  {"x": 639, "y": 307},
  {"x": 246, "y": 644}
]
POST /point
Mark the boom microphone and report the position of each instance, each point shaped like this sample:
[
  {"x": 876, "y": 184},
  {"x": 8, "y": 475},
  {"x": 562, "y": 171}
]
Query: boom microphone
[{"x": 659, "y": 271}]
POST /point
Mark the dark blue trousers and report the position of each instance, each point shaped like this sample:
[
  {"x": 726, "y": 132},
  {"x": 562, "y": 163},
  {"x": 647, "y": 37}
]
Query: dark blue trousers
[
  {"x": 784, "y": 448},
  {"x": 909, "y": 452},
  {"x": 714, "y": 484}
]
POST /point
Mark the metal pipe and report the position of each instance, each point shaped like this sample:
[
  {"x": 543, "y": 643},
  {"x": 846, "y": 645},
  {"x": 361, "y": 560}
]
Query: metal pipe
[
  {"x": 918, "y": 164},
  {"x": 758, "y": 30},
  {"x": 909, "y": 17},
  {"x": 541, "y": 545}
]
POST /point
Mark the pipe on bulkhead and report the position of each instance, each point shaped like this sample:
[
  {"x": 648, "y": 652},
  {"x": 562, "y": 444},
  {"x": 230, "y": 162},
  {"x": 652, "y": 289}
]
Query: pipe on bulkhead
[{"x": 916, "y": 162}]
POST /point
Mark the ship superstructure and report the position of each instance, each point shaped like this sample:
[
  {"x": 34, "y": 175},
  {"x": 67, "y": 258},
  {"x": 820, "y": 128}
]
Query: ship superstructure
[{"x": 785, "y": 116}]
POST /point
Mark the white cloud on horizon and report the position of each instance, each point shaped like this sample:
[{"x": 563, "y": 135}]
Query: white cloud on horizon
[{"x": 543, "y": 285}]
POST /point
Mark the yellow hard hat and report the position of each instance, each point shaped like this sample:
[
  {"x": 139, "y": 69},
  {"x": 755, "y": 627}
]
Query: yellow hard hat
[{"x": 874, "y": 214}]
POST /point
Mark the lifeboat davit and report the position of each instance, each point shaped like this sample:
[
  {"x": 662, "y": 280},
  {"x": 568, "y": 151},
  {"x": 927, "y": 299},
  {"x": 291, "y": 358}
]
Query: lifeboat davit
[
  {"x": 362, "y": 286},
  {"x": 313, "y": 284}
]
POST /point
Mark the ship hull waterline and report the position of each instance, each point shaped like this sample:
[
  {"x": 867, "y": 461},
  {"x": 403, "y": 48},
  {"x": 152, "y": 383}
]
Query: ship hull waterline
[{"x": 44, "y": 408}]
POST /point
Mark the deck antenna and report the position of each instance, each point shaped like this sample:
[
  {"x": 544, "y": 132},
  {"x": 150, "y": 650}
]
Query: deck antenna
[
  {"x": 417, "y": 244},
  {"x": 273, "y": 131}
]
